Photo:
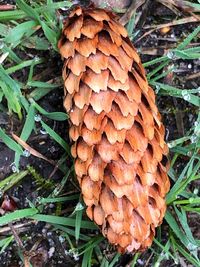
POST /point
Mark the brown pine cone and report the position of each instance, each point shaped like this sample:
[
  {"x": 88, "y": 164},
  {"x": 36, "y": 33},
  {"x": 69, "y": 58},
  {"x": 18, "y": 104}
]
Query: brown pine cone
[{"x": 118, "y": 136}]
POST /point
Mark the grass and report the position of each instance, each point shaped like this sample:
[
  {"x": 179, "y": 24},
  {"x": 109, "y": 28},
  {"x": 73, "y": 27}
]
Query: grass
[{"x": 36, "y": 27}]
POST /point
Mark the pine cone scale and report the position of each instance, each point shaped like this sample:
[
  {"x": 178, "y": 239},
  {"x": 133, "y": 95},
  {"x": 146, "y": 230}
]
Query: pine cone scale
[{"x": 116, "y": 127}]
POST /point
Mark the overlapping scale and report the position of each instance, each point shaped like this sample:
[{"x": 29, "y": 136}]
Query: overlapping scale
[{"x": 116, "y": 128}]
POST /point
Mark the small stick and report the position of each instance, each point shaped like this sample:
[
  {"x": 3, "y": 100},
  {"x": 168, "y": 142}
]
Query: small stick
[
  {"x": 7, "y": 7},
  {"x": 129, "y": 13},
  {"x": 20, "y": 227},
  {"x": 173, "y": 23},
  {"x": 20, "y": 244},
  {"x": 193, "y": 76}
]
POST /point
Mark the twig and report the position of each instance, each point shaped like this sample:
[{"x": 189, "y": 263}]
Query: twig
[
  {"x": 170, "y": 24},
  {"x": 31, "y": 150},
  {"x": 143, "y": 15},
  {"x": 193, "y": 76},
  {"x": 170, "y": 4},
  {"x": 17, "y": 239},
  {"x": 173, "y": 23},
  {"x": 130, "y": 11},
  {"x": 54, "y": 171},
  {"x": 20, "y": 227},
  {"x": 147, "y": 50},
  {"x": 7, "y": 7},
  {"x": 20, "y": 244},
  {"x": 148, "y": 260},
  {"x": 184, "y": 6}
]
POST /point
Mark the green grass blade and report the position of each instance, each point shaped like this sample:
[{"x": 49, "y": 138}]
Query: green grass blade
[
  {"x": 58, "y": 116},
  {"x": 176, "y": 229},
  {"x": 24, "y": 64},
  {"x": 78, "y": 223},
  {"x": 188, "y": 256},
  {"x": 58, "y": 199},
  {"x": 56, "y": 137},
  {"x": 86, "y": 262},
  {"x": 189, "y": 38},
  {"x": 63, "y": 221},
  {"x": 4, "y": 243},
  {"x": 10, "y": 142},
  {"x": 16, "y": 215},
  {"x": 31, "y": 12},
  {"x": 11, "y": 180}
]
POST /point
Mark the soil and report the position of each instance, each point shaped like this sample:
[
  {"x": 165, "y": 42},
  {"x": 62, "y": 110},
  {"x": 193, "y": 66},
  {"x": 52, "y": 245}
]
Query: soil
[{"x": 178, "y": 117}]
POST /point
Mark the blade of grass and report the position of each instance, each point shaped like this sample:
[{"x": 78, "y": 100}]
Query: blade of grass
[
  {"x": 58, "y": 199},
  {"x": 59, "y": 116},
  {"x": 178, "y": 232},
  {"x": 24, "y": 64},
  {"x": 62, "y": 221},
  {"x": 10, "y": 142},
  {"x": 191, "y": 259},
  {"x": 16, "y": 215},
  {"x": 86, "y": 262},
  {"x": 57, "y": 138},
  {"x": 26, "y": 131},
  {"x": 11, "y": 180},
  {"x": 4, "y": 243},
  {"x": 78, "y": 223}
]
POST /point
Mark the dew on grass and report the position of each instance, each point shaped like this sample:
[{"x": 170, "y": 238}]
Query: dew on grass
[
  {"x": 43, "y": 131},
  {"x": 26, "y": 153},
  {"x": 185, "y": 95},
  {"x": 193, "y": 138},
  {"x": 171, "y": 55},
  {"x": 37, "y": 118},
  {"x": 14, "y": 168}
]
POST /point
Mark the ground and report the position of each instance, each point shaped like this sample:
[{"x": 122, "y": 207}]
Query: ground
[{"x": 41, "y": 189}]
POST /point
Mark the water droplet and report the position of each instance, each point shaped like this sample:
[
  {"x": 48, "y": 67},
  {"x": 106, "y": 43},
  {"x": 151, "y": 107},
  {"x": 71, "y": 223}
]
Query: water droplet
[
  {"x": 189, "y": 153},
  {"x": 171, "y": 55},
  {"x": 67, "y": 252},
  {"x": 51, "y": 251},
  {"x": 196, "y": 191},
  {"x": 76, "y": 256},
  {"x": 38, "y": 199},
  {"x": 193, "y": 138},
  {"x": 51, "y": 205},
  {"x": 191, "y": 199},
  {"x": 79, "y": 206},
  {"x": 141, "y": 262},
  {"x": 191, "y": 247},
  {"x": 1, "y": 45},
  {"x": 176, "y": 261},
  {"x": 37, "y": 118},
  {"x": 52, "y": 149},
  {"x": 171, "y": 144},
  {"x": 26, "y": 153},
  {"x": 1, "y": 194},
  {"x": 13, "y": 168},
  {"x": 185, "y": 94},
  {"x": 157, "y": 89},
  {"x": 36, "y": 59},
  {"x": 61, "y": 239},
  {"x": 197, "y": 128},
  {"x": 43, "y": 131}
]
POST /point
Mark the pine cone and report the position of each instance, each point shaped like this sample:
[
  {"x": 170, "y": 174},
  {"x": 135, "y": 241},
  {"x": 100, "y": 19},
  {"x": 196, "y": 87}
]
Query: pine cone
[{"x": 119, "y": 148}]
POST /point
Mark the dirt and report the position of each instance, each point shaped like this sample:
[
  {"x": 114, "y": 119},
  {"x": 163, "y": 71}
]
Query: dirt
[{"x": 54, "y": 251}]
